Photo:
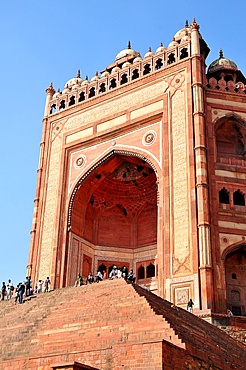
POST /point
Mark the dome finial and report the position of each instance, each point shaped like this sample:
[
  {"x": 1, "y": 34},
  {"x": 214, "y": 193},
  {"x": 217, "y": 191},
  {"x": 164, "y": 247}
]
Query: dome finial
[
  {"x": 129, "y": 44},
  {"x": 78, "y": 74},
  {"x": 194, "y": 25},
  {"x": 186, "y": 23},
  {"x": 221, "y": 54},
  {"x": 50, "y": 89}
]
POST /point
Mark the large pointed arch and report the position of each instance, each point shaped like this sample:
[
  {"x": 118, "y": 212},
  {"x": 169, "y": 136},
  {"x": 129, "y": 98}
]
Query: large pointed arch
[
  {"x": 112, "y": 215},
  {"x": 99, "y": 163}
]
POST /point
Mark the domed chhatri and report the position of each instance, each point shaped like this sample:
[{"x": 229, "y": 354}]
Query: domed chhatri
[
  {"x": 74, "y": 81},
  {"x": 183, "y": 32},
  {"x": 129, "y": 52},
  {"x": 222, "y": 63}
]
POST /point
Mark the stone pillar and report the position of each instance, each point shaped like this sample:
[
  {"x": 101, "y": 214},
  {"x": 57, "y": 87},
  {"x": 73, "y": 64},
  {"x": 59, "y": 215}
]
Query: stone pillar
[
  {"x": 203, "y": 217},
  {"x": 50, "y": 92},
  {"x": 33, "y": 254}
]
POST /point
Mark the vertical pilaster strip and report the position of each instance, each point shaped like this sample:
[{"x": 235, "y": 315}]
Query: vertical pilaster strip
[
  {"x": 201, "y": 172},
  {"x": 33, "y": 254}
]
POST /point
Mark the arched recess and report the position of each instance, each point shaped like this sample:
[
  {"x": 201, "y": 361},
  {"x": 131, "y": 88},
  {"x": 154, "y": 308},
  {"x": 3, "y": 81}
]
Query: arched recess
[
  {"x": 112, "y": 217},
  {"x": 235, "y": 277},
  {"x": 230, "y": 134}
]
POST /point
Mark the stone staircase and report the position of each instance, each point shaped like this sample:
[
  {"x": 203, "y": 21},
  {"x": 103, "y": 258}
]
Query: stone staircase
[
  {"x": 203, "y": 340},
  {"x": 83, "y": 319},
  {"x": 109, "y": 325}
]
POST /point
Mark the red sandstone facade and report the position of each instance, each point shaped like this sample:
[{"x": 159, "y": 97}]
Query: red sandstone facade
[{"x": 145, "y": 166}]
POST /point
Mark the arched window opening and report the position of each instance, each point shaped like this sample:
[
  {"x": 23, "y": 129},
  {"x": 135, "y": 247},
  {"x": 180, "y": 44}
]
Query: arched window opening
[
  {"x": 81, "y": 96},
  {"x": 102, "y": 88},
  {"x": 135, "y": 74},
  {"x": 147, "y": 69},
  {"x": 53, "y": 109},
  {"x": 62, "y": 105},
  {"x": 150, "y": 270},
  {"x": 112, "y": 83},
  {"x": 184, "y": 53},
  {"x": 224, "y": 196},
  {"x": 238, "y": 198},
  {"x": 141, "y": 272},
  {"x": 230, "y": 139},
  {"x": 124, "y": 79},
  {"x": 158, "y": 64},
  {"x": 171, "y": 58},
  {"x": 234, "y": 276},
  {"x": 72, "y": 101},
  {"x": 92, "y": 92}
]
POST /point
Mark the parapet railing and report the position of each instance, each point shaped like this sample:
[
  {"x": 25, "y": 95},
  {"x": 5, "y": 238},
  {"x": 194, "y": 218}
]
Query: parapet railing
[
  {"x": 224, "y": 85},
  {"x": 119, "y": 75}
]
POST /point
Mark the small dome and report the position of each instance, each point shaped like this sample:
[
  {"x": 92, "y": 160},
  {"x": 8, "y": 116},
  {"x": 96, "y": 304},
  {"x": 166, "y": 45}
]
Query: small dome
[
  {"x": 116, "y": 68},
  {"x": 126, "y": 52},
  {"x": 95, "y": 78},
  {"x": 75, "y": 87},
  {"x": 185, "y": 37},
  {"x": 137, "y": 59},
  {"x": 126, "y": 64},
  {"x": 149, "y": 53},
  {"x": 181, "y": 33},
  {"x": 66, "y": 90},
  {"x": 161, "y": 48},
  {"x": 57, "y": 94},
  {"x": 74, "y": 81},
  {"x": 85, "y": 82},
  {"x": 172, "y": 44},
  {"x": 105, "y": 74},
  {"x": 222, "y": 63}
]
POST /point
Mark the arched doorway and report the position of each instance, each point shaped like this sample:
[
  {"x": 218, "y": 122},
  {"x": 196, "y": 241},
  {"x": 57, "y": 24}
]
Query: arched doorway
[
  {"x": 113, "y": 218},
  {"x": 235, "y": 267}
]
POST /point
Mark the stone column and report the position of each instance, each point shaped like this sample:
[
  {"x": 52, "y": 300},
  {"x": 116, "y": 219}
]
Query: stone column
[
  {"x": 50, "y": 92},
  {"x": 33, "y": 254},
  {"x": 203, "y": 217}
]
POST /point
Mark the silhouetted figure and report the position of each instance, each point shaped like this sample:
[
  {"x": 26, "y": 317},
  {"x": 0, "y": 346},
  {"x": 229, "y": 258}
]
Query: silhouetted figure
[
  {"x": 3, "y": 291},
  {"x": 47, "y": 284},
  {"x": 190, "y": 305}
]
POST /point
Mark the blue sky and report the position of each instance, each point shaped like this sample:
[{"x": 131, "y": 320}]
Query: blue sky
[{"x": 49, "y": 40}]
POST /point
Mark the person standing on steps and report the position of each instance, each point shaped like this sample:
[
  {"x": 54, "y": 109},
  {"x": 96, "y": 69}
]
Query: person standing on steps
[
  {"x": 190, "y": 305},
  {"x": 47, "y": 284},
  {"x": 10, "y": 288},
  {"x": 27, "y": 285},
  {"x": 3, "y": 291},
  {"x": 21, "y": 291},
  {"x": 40, "y": 286}
]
